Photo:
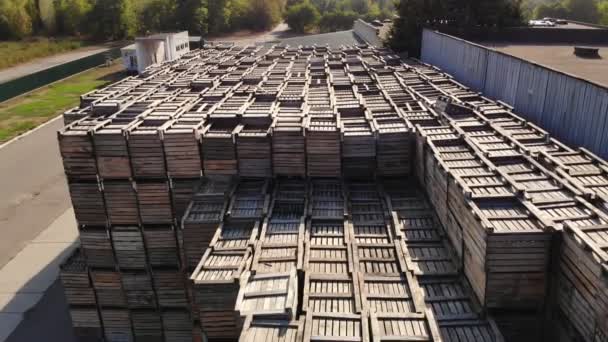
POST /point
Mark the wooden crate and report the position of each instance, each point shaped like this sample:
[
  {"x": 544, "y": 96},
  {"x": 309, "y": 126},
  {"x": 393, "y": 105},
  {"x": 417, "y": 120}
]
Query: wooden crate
[
  {"x": 181, "y": 144},
  {"x": 219, "y": 150},
  {"x": 379, "y": 259},
  {"x": 86, "y": 323},
  {"x": 281, "y": 244},
  {"x": 280, "y": 330},
  {"x": 129, "y": 247},
  {"x": 330, "y": 258},
  {"x": 404, "y": 327},
  {"x": 177, "y": 325},
  {"x": 170, "y": 287},
  {"x": 450, "y": 299},
  {"x": 399, "y": 294},
  {"x": 268, "y": 295},
  {"x": 323, "y": 148},
  {"x": 161, "y": 246},
  {"x": 117, "y": 325},
  {"x": 335, "y": 293},
  {"x": 470, "y": 331},
  {"x": 235, "y": 235},
  {"x": 254, "y": 150},
  {"x": 336, "y": 327},
  {"x": 288, "y": 147},
  {"x": 111, "y": 150},
  {"x": 97, "y": 247},
  {"x": 326, "y": 234},
  {"x": 582, "y": 282},
  {"x": 430, "y": 259},
  {"x": 250, "y": 201},
  {"x": 506, "y": 252},
  {"x": 327, "y": 200},
  {"x": 77, "y": 150},
  {"x": 519, "y": 325},
  {"x": 423, "y": 136},
  {"x": 121, "y": 202},
  {"x": 154, "y": 201},
  {"x": 182, "y": 191},
  {"x": 88, "y": 202},
  {"x": 146, "y": 149},
  {"x": 147, "y": 325},
  {"x": 74, "y": 275},
  {"x": 138, "y": 289},
  {"x": 221, "y": 325},
  {"x": 395, "y": 144},
  {"x": 358, "y": 148}
]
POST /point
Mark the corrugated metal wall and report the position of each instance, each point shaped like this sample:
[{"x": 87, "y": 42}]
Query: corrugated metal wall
[{"x": 572, "y": 110}]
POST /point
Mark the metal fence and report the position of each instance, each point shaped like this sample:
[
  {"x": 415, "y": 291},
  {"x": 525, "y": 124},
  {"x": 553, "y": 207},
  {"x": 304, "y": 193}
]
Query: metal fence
[
  {"x": 570, "y": 108},
  {"x": 39, "y": 79}
]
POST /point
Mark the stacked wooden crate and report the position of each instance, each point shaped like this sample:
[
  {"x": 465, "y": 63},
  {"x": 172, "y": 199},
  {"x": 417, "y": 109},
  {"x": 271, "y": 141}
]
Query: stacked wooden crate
[
  {"x": 219, "y": 150},
  {"x": 288, "y": 143},
  {"x": 358, "y": 148},
  {"x": 254, "y": 150},
  {"x": 394, "y": 146},
  {"x": 323, "y": 153}
]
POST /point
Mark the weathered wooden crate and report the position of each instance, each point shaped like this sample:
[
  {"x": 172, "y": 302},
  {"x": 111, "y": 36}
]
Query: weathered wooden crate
[
  {"x": 254, "y": 150},
  {"x": 327, "y": 252},
  {"x": 154, "y": 201},
  {"x": 147, "y": 325},
  {"x": 379, "y": 259},
  {"x": 86, "y": 323},
  {"x": 278, "y": 330},
  {"x": 138, "y": 289},
  {"x": 96, "y": 245},
  {"x": 330, "y": 292},
  {"x": 506, "y": 252},
  {"x": 182, "y": 191},
  {"x": 77, "y": 150},
  {"x": 161, "y": 246},
  {"x": 88, "y": 202},
  {"x": 129, "y": 247},
  {"x": 235, "y": 235},
  {"x": 121, "y": 202},
  {"x": 519, "y": 325},
  {"x": 430, "y": 259},
  {"x": 111, "y": 149},
  {"x": 391, "y": 294},
  {"x": 117, "y": 325},
  {"x": 181, "y": 144},
  {"x": 470, "y": 331},
  {"x": 582, "y": 282},
  {"x": 146, "y": 149},
  {"x": 219, "y": 150},
  {"x": 288, "y": 147},
  {"x": 280, "y": 247},
  {"x": 323, "y": 147},
  {"x": 584, "y": 170},
  {"x": 177, "y": 325},
  {"x": 450, "y": 299},
  {"x": 395, "y": 147},
  {"x": 424, "y": 135},
  {"x": 74, "y": 275},
  {"x": 404, "y": 327},
  {"x": 358, "y": 148},
  {"x": 268, "y": 295},
  {"x": 108, "y": 288},
  {"x": 336, "y": 327},
  {"x": 327, "y": 200},
  {"x": 170, "y": 287},
  {"x": 250, "y": 201}
]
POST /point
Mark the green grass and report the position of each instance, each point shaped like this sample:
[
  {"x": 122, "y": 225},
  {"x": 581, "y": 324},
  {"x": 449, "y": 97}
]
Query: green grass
[
  {"x": 23, "y": 113},
  {"x": 16, "y": 52}
]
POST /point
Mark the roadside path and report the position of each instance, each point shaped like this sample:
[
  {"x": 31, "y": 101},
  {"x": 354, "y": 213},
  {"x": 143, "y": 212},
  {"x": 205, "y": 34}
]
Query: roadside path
[{"x": 40, "y": 64}]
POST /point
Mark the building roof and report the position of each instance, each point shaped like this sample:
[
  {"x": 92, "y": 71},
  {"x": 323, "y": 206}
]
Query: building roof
[{"x": 560, "y": 57}]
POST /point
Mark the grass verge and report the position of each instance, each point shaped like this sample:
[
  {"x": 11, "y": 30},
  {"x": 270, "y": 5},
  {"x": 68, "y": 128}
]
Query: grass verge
[
  {"x": 16, "y": 52},
  {"x": 25, "y": 112}
]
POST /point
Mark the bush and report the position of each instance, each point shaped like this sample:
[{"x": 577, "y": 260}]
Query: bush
[
  {"x": 337, "y": 21},
  {"x": 14, "y": 20},
  {"x": 302, "y": 17},
  {"x": 72, "y": 16}
]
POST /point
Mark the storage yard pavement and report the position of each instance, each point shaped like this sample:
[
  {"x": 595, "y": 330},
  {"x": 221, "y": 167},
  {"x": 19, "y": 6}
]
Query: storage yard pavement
[{"x": 38, "y": 232}]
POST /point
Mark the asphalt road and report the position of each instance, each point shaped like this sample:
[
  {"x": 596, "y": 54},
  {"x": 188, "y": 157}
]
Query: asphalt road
[
  {"x": 49, "y": 62},
  {"x": 33, "y": 187}
]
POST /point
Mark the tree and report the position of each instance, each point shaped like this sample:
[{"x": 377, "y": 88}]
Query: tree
[
  {"x": 15, "y": 23},
  {"x": 602, "y": 9},
  {"x": 71, "y": 16},
  {"x": 156, "y": 16},
  {"x": 360, "y": 6},
  {"x": 337, "y": 21},
  {"x": 556, "y": 10},
  {"x": 302, "y": 17},
  {"x": 582, "y": 10},
  {"x": 112, "y": 19}
]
